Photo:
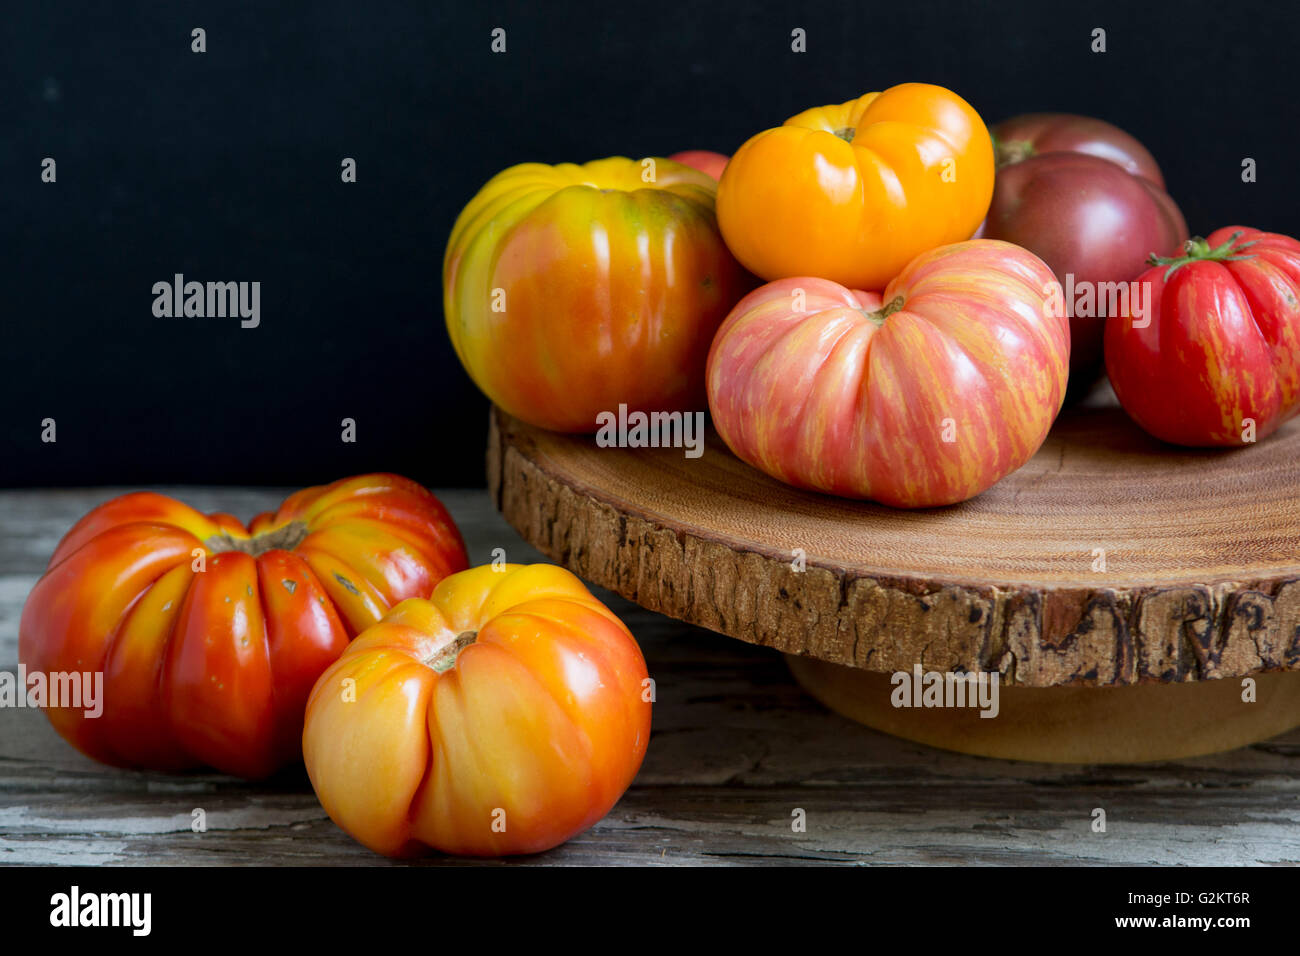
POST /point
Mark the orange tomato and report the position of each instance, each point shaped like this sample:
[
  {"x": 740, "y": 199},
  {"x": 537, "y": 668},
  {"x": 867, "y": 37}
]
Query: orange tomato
[
  {"x": 570, "y": 290},
  {"x": 852, "y": 193},
  {"x": 503, "y": 715},
  {"x": 209, "y": 635}
]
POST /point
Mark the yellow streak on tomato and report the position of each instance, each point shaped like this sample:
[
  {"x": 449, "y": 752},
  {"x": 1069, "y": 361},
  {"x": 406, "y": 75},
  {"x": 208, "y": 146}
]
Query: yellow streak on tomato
[
  {"x": 137, "y": 728},
  {"x": 1217, "y": 344}
]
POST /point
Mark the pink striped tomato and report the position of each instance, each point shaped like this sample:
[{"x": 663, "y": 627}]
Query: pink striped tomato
[
  {"x": 925, "y": 396},
  {"x": 1216, "y": 361},
  {"x": 706, "y": 161}
]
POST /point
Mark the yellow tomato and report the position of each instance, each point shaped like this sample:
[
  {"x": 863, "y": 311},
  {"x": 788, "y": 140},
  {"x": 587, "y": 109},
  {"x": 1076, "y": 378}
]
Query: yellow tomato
[
  {"x": 854, "y": 192},
  {"x": 570, "y": 290},
  {"x": 503, "y": 715}
]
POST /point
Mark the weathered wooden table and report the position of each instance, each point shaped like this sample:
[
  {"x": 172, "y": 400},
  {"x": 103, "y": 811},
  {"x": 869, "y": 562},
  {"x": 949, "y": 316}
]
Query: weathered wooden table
[{"x": 736, "y": 750}]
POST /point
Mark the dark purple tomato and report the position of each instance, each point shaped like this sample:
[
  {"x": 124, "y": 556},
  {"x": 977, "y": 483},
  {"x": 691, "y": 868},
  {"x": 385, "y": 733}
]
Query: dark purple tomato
[
  {"x": 1020, "y": 137},
  {"x": 1093, "y": 220}
]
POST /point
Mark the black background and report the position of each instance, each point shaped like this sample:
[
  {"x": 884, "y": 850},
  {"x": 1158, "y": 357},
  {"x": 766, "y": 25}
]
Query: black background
[{"x": 225, "y": 166}]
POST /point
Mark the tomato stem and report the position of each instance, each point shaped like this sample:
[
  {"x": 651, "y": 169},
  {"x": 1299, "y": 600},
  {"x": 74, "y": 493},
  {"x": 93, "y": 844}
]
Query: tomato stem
[
  {"x": 879, "y": 316},
  {"x": 1012, "y": 151},
  {"x": 846, "y": 133},
  {"x": 285, "y": 538},
  {"x": 1198, "y": 249},
  {"x": 447, "y": 654}
]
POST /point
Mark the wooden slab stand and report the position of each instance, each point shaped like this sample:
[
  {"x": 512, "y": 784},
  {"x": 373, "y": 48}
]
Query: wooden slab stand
[
  {"x": 1200, "y": 550},
  {"x": 1113, "y": 583}
]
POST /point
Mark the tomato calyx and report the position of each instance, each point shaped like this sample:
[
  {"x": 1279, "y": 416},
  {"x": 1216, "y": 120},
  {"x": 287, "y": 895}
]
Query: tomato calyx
[
  {"x": 444, "y": 659},
  {"x": 284, "y": 538},
  {"x": 1012, "y": 151},
  {"x": 846, "y": 133},
  {"x": 878, "y": 317},
  {"x": 1197, "y": 249}
]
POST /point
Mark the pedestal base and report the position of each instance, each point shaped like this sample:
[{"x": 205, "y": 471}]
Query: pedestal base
[{"x": 1132, "y": 724}]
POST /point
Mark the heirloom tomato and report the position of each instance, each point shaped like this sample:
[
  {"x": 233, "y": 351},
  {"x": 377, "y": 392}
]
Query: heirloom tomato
[
  {"x": 704, "y": 160},
  {"x": 1033, "y": 134},
  {"x": 853, "y": 192},
  {"x": 1089, "y": 200},
  {"x": 926, "y": 396},
  {"x": 210, "y": 634},
  {"x": 570, "y": 290},
  {"x": 503, "y": 715},
  {"x": 1217, "y": 359}
]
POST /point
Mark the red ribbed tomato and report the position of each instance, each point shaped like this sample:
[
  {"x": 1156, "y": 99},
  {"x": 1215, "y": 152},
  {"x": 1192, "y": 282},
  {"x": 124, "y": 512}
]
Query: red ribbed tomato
[
  {"x": 1217, "y": 361},
  {"x": 210, "y": 635}
]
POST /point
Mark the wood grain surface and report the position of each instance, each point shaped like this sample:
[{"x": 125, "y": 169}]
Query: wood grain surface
[
  {"x": 1108, "y": 559},
  {"x": 736, "y": 749}
]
